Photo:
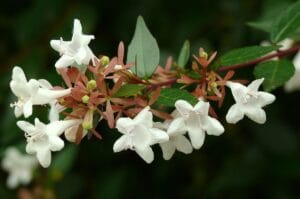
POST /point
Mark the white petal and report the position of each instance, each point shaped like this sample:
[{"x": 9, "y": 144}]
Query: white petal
[
  {"x": 80, "y": 56},
  {"x": 286, "y": 43},
  {"x": 183, "y": 144},
  {"x": 213, "y": 126},
  {"x": 146, "y": 154},
  {"x": 144, "y": 117},
  {"x": 125, "y": 125},
  {"x": 234, "y": 114},
  {"x": 177, "y": 126},
  {"x": 202, "y": 107},
  {"x": 183, "y": 107},
  {"x": 53, "y": 113},
  {"x": 158, "y": 136},
  {"x": 56, "y": 143},
  {"x": 25, "y": 126},
  {"x": 30, "y": 148},
  {"x": 256, "y": 114},
  {"x": 45, "y": 96},
  {"x": 27, "y": 109},
  {"x": 56, "y": 44},
  {"x": 18, "y": 111},
  {"x": 45, "y": 84},
  {"x": 294, "y": 83},
  {"x": 12, "y": 181},
  {"x": 238, "y": 91},
  {"x": 25, "y": 176},
  {"x": 33, "y": 86},
  {"x": 121, "y": 144},
  {"x": 296, "y": 61},
  {"x": 195, "y": 132},
  {"x": 19, "y": 89},
  {"x": 254, "y": 85},
  {"x": 168, "y": 150},
  {"x": 265, "y": 98},
  {"x": 44, "y": 157},
  {"x": 64, "y": 61},
  {"x": 18, "y": 75},
  {"x": 141, "y": 137},
  {"x": 58, "y": 127}
]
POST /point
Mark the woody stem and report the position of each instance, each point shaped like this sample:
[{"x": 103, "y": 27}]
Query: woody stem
[{"x": 261, "y": 59}]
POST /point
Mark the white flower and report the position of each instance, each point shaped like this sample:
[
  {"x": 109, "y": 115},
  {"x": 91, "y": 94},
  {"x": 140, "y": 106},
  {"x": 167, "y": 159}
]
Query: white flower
[
  {"x": 19, "y": 166},
  {"x": 139, "y": 135},
  {"x": 249, "y": 102},
  {"x": 294, "y": 83},
  {"x": 31, "y": 92},
  {"x": 42, "y": 138},
  {"x": 177, "y": 141},
  {"x": 71, "y": 133},
  {"x": 197, "y": 121},
  {"x": 74, "y": 51}
]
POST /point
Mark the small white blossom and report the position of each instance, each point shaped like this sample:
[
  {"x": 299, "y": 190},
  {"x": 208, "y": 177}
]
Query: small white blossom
[
  {"x": 139, "y": 135},
  {"x": 294, "y": 83},
  {"x": 19, "y": 166},
  {"x": 74, "y": 51},
  {"x": 71, "y": 133},
  {"x": 249, "y": 102},
  {"x": 177, "y": 141},
  {"x": 31, "y": 92},
  {"x": 197, "y": 121},
  {"x": 42, "y": 138}
]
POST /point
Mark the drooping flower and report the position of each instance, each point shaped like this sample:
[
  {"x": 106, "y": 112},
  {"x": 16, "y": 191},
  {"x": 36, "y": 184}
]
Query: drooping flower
[
  {"x": 294, "y": 83},
  {"x": 42, "y": 138},
  {"x": 75, "y": 51},
  {"x": 249, "y": 102},
  {"x": 31, "y": 92},
  {"x": 139, "y": 135},
  {"x": 197, "y": 121},
  {"x": 177, "y": 141},
  {"x": 19, "y": 166}
]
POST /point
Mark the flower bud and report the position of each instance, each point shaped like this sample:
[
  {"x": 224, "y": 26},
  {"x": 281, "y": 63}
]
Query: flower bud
[
  {"x": 203, "y": 54},
  {"x": 91, "y": 85},
  {"x": 104, "y": 60},
  {"x": 87, "y": 123},
  {"x": 85, "y": 99}
]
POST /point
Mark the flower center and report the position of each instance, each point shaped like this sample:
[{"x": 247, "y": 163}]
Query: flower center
[
  {"x": 35, "y": 136},
  {"x": 250, "y": 95}
]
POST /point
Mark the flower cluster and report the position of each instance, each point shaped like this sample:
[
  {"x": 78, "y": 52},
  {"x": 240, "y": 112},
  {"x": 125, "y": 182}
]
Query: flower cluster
[{"x": 104, "y": 89}]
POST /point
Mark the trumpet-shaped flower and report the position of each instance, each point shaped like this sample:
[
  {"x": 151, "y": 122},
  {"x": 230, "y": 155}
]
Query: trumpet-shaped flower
[
  {"x": 294, "y": 83},
  {"x": 42, "y": 138},
  {"x": 19, "y": 166},
  {"x": 139, "y": 135},
  {"x": 74, "y": 51},
  {"x": 31, "y": 92},
  {"x": 177, "y": 141},
  {"x": 249, "y": 102},
  {"x": 197, "y": 121}
]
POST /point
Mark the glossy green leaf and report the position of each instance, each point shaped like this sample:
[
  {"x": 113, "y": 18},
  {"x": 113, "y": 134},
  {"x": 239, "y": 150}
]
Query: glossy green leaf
[
  {"x": 287, "y": 23},
  {"x": 184, "y": 54},
  {"x": 276, "y": 73},
  {"x": 129, "y": 90},
  {"x": 244, "y": 55},
  {"x": 143, "y": 51},
  {"x": 169, "y": 96}
]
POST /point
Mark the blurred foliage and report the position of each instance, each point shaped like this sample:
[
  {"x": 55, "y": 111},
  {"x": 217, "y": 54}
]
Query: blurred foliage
[{"x": 248, "y": 161}]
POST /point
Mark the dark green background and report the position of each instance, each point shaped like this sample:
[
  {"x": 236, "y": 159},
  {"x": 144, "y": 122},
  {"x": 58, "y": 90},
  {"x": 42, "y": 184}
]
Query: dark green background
[{"x": 248, "y": 161}]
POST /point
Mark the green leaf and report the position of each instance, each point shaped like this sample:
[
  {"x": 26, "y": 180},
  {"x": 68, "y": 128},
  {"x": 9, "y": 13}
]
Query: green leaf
[
  {"x": 184, "y": 54},
  {"x": 169, "y": 96},
  {"x": 63, "y": 161},
  {"x": 143, "y": 51},
  {"x": 244, "y": 55},
  {"x": 276, "y": 73},
  {"x": 262, "y": 25},
  {"x": 129, "y": 90},
  {"x": 287, "y": 23}
]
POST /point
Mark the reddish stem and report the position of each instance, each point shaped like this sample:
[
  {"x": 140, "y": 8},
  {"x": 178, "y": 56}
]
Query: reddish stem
[
  {"x": 261, "y": 59},
  {"x": 166, "y": 83}
]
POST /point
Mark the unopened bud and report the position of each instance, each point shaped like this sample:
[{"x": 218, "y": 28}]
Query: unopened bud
[
  {"x": 104, "y": 60},
  {"x": 203, "y": 54},
  {"x": 91, "y": 85},
  {"x": 87, "y": 123},
  {"x": 85, "y": 99}
]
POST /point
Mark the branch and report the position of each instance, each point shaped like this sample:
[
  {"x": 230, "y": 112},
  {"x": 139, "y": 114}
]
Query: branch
[{"x": 261, "y": 59}]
